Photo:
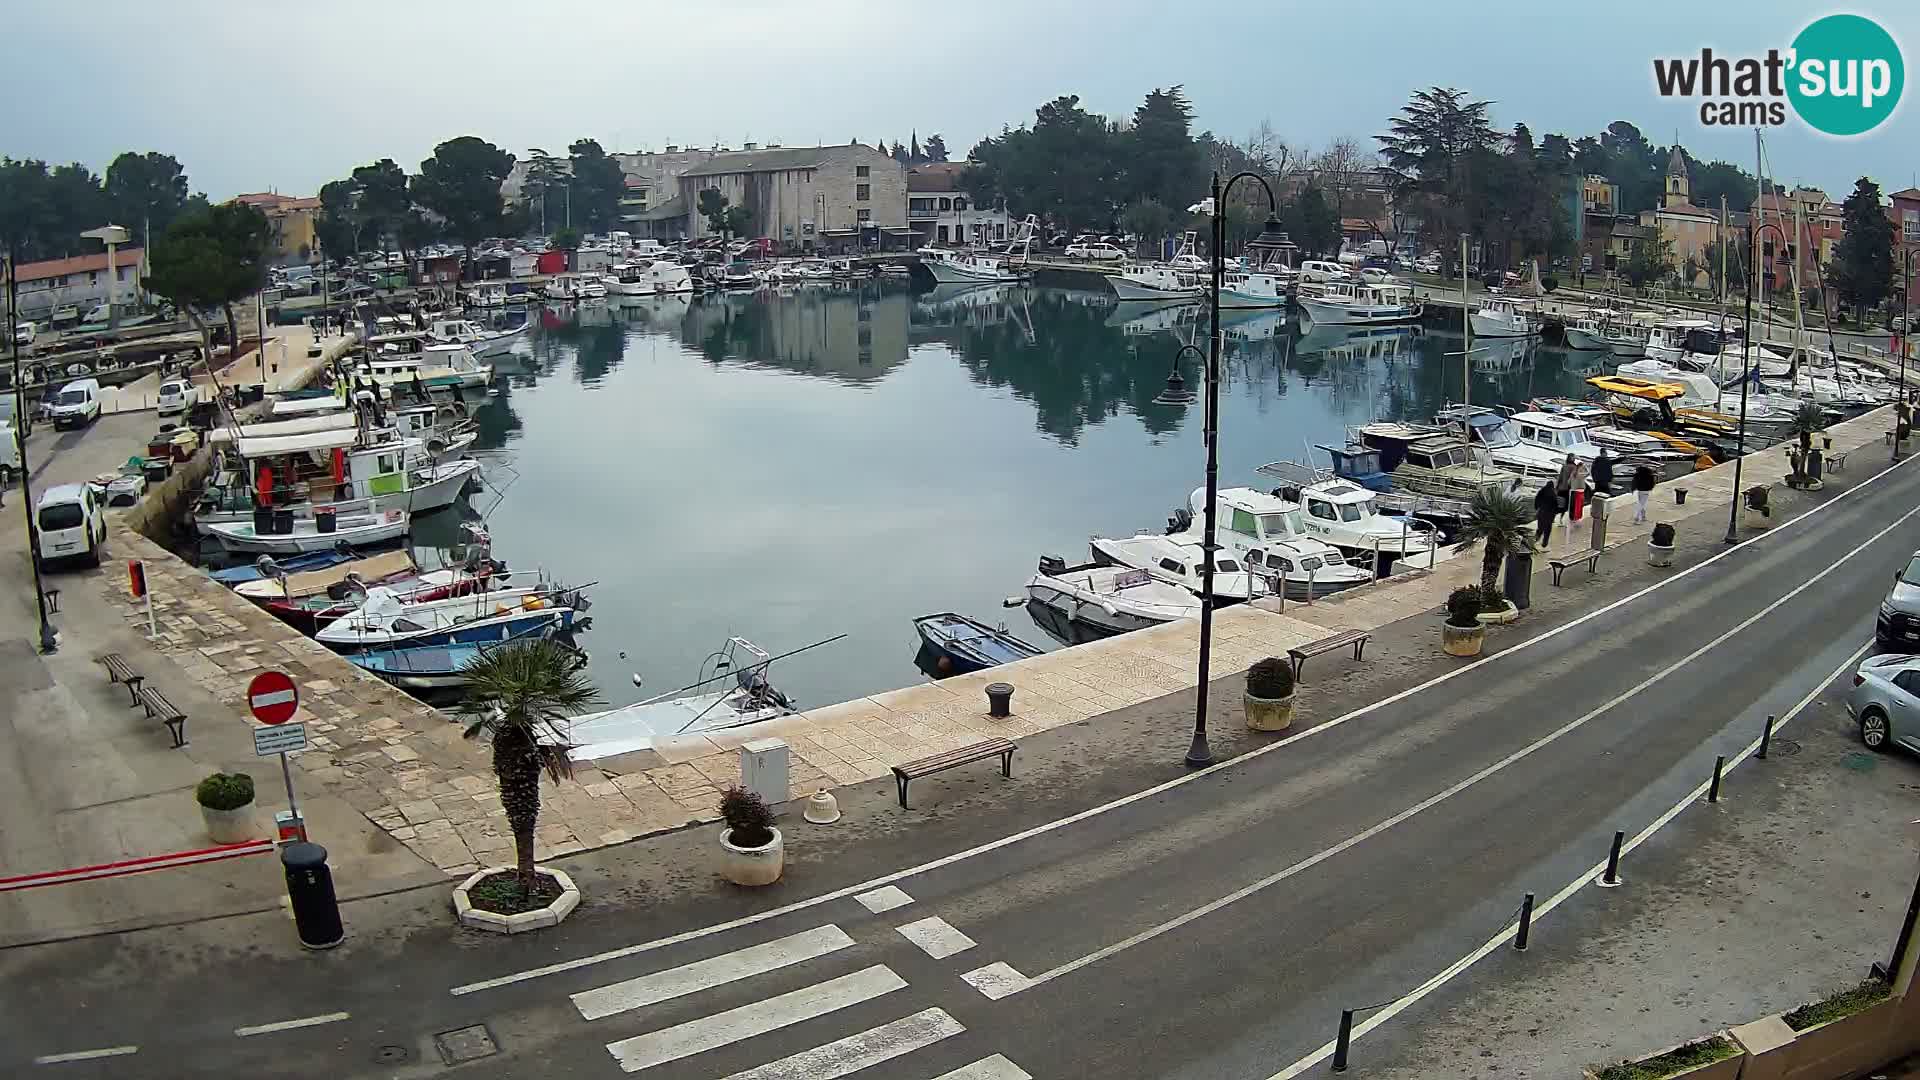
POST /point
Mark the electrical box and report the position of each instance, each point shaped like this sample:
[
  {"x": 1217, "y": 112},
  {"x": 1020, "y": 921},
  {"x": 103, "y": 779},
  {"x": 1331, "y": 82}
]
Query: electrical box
[{"x": 763, "y": 769}]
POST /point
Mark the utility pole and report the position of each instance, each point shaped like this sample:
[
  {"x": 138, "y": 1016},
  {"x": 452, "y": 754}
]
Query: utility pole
[{"x": 49, "y": 641}]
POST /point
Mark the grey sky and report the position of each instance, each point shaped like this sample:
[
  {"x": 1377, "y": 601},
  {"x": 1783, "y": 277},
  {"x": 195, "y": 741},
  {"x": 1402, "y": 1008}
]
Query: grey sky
[{"x": 258, "y": 94}]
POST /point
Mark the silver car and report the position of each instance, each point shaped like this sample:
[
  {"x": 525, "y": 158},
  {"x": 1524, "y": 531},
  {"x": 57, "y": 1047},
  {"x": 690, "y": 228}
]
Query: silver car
[{"x": 1885, "y": 701}]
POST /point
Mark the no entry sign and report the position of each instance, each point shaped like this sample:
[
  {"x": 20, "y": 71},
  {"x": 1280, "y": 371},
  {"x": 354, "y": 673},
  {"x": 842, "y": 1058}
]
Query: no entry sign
[{"x": 272, "y": 697}]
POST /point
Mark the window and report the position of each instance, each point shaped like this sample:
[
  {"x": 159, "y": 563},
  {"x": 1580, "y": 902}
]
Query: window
[
  {"x": 1908, "y": 680},
  {"x": 408, "y": 625},
  {"x": 1910, "y": 226},
  {"x": 919, "y": 204},
  {"x": 864, "y": 215},
  {"x": 386, "y": 463},
  {"x": 863, "y": 170},
  {"x": 1226, "y": 566},
  {"x": 1285, "y": 566},
  {"x": 1255, "y": 558},
  {"x": 1283, "y": 524},
  {"x": 946, "y": 204},
  {"x": 999, "y": 232},
  {"x": 1243, "y": 522},
  {"x": 862, "y": 192},
  {"x": 943, "y": 234},
  {"x": 1309, "y": 564},
  {"x": 1321, "y": 510},
  {"x": 1172, "y": 567},
  {"x": 93, "y": 277},
  {"x": 61, "y": 516},
  {"x": 1349, "y": 512},
  {"x": 959, "y": 204}
]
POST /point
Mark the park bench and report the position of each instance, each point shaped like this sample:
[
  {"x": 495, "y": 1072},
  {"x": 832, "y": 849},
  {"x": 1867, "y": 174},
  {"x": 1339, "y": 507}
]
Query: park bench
[
  {"x": 1836, "y": 460},
  {"x": 1559, "y": 563},
  {"x": 159, "y": 708},
  {"x": 119, "y": 671},
  {"x": 926, "y": 766},
  {"x": 1356, "y": 638}
]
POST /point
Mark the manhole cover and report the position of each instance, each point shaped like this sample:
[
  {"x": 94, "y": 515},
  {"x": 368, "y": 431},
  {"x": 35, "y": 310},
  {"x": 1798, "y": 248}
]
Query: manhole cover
[
  {"x": 391, "y": 1055},
  {"x": 1782, "y": 748},
  {"x": 1860, "y": 761},
  {"x": 466, "y": 1044}
]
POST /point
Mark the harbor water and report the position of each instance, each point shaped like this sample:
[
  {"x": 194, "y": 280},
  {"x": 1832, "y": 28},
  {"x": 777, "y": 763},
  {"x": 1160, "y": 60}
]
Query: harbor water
[{"x": 841, "y": 460}]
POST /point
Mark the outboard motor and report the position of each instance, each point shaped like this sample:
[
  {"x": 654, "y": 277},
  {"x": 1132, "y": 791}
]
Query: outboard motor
[
  {"x": 1052, "y": 565},
  {"x": 1179, "y": 521}
]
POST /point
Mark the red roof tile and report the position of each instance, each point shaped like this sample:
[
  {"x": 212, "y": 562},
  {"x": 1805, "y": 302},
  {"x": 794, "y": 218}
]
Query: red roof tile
[{"x": 78, "y": 264}]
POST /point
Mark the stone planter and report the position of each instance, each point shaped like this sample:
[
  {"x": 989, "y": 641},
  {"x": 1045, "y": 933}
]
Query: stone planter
[
  {"x": 1850, "y": 1046},
  {"x": 1727, "y": 1068},
  {"x": 1659, "y": 554},
  {"x": 230, "y": 826},
  {"x": 1505, "y": 615},
  {"x": 1268, "y": 714},
  {"x": 752, "y": 866},
  {"x": 1462, "y": 640},
  {"x": 551, "y": 915}
]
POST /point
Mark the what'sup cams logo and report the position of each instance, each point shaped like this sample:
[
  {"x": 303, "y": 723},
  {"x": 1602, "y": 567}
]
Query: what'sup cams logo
[{"x": 1842, "y": 76}]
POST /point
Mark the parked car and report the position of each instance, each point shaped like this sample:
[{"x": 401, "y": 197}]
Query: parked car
[
  {"x": 77, "y": 405},
  {"x": 1898, "y": 627},
  {"x": 9, "y": 454},
  {"x": 24, "y": 333},
  {"x": 72, "y": 524},
  {"x": 176, "y": 396},
  {"x": 1322, "y": 270},
  {"x": 1098, "y": 251},
  {"x": 1427, "y": 264},
  {"x": 1374, "y": 275},
  {"x": 1885, "y": 701},
  {"x": 8, "y": 419}
]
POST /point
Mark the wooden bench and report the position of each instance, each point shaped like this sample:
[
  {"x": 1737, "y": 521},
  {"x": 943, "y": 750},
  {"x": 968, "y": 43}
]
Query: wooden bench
[
  {"x": 1836, "y": 461},
  {"x": 1560, "y": 563},
  {"x": 1356, "y": 638},
  {"x": 980, "y": 751},
  {"x": 159, "y": 708},
  {"x": 119, "y": 671}
]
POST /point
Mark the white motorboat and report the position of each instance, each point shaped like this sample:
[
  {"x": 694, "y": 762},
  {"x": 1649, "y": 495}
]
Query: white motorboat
[
  {"x": 736, "y": 695},
  {"x": 1677, "y": 340},
  {"x": 1703, "y": 393},
  {"x": 950, "y": 266},
  {"x": 1495, "y": 438},
  {"x": 1586, "y": 331},
  {"x": 1102, "y": 601},
  {"x": 436, "y": 367},
  {"x": 1344, "y": 514},
  {"x": 1177, "y": 563},
  {"x": 481, "y": 341},
  {"x": 487, "y": 294},
  {"x": 385, "y": 620},
  {"x": 1264, "y": 279},
  {"x": 661, "y": 277},
  {"x": 1158, "y": 281},
  {"x": 1272, "y": 541},
  {"x": 1355, "y": 303},
  {"x": 308, "y": 534},
  {"x": 1503, "y": 316},
  {"x": 574, "y": 287}
]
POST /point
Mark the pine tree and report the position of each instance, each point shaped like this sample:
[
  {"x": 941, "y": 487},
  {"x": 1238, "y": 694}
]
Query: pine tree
[{"x": 1862, "y": 271}]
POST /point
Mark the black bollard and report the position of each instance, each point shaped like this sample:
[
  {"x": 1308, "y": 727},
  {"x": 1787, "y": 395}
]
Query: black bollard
[
  {"x": 1526, "y": 924},
  {"x": 1766, "y": 738},
  {"x": 1340, "y": 1044},
  {"x": 999, "y": 700},
  {"x": 1713, "y": 789},
  {"x": 1612, "y": 876},
  {"x": 316, "y": 912}
]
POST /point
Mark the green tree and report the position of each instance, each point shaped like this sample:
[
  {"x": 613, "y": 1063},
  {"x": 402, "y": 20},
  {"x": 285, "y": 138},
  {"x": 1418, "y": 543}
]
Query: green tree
[
  {"x": 416, "y": 231},
  {"x": 338, "y": 224},
  {"x": 1736, "y": 275},
  {"x": 381, "y": 199},
  {"x": 1862, "y": 270},
  {"x": 738, "y": 221},
  {"x": 1498, "y": 519},
  {"x": 211, "y": 259},
  {"x": 1162, "y": 162},
  {"x": 598, "y": 185},
  {"x": 545, "y": 173},
  {"x": 713, "y": 206},
  {"x": 146, "y": 192},
  {"x": 936, "y": 147},
  {"x": 566, "y": 238},
  {"x": 1147, "y": 220},
  {"x": 518, "y": 695},
  {"x": 461, "y": 183},
  {"x": 1649, "y": 260},
  {"x": 1312, "y": 223},
  {"x": 1430, "y": 148}
]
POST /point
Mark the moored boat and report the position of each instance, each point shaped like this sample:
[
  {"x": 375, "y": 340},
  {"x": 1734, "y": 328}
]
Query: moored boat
[
  {"x": 1101, "y": 601},
  {"x": 960, "y": 644},
  {"x": 310, "y": 534}
]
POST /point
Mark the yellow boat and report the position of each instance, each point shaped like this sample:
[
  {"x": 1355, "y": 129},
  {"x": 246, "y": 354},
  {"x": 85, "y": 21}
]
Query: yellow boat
[{"x": 1647, "y": 404}]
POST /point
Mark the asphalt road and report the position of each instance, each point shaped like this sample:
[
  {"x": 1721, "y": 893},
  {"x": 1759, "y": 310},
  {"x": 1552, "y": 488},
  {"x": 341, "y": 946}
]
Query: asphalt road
[{"x": 1213, "y": 926}]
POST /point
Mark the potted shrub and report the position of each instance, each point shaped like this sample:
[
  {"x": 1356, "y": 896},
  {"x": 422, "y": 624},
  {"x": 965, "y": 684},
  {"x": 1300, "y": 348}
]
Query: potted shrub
[
  {"x": 226, "y": 805},
  {"x": 1502, "y": 523},
  {"x": 753, "y": 853},
  {"x": 1495, "y": 608},
  {"x": 1660, "y": 545},
  {"x": 1269, "y": 695},
  {"x": 1462, "y": 634},
  {"x": 1757, "y": 512}
]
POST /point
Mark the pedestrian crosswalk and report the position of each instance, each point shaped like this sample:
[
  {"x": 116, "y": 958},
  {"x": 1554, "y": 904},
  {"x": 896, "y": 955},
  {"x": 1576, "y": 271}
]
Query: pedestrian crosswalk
[{"x": 807, "y": 954}]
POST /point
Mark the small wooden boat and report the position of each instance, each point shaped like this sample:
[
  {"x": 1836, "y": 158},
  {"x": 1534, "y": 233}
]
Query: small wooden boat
[
  {"x": 293, "y": 564},
  {"x": 437, "y": 667},
  {"x": 960, "y": 644},
  {"x": 288, "y": 536}
]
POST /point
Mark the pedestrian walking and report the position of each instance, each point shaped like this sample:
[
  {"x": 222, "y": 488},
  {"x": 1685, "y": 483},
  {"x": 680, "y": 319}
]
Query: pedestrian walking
[
  {"x": 1563, "y": 484},
  {"x": 1603, "y": 474},
  {"x": 1577, "y": 491},
  {"x": 1546, "y": 507},
  {"x": 1642, "y": 490}
]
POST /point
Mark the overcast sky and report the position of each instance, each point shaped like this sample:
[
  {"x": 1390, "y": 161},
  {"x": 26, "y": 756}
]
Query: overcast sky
[{"x": 260, "y": 94}]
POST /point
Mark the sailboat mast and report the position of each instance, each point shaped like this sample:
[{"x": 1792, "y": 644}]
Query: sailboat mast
[
  {"x": 1799, "y": 323},
  {"x": 1466, "y": 330},
  {"x": 1721, "y": 239}
]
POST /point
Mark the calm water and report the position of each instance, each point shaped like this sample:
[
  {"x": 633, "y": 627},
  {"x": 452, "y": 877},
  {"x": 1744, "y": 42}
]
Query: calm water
[{"x": 787, "y": 468}]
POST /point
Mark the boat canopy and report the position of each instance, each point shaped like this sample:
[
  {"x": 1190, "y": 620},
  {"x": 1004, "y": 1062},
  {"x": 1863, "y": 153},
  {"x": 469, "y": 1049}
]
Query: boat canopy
[
  {"x": 300, "y": 425},
  {"x": 269, "y": 446},
  {"x": 306, "y": 405},
  {"x": 1645, "y": 389}
]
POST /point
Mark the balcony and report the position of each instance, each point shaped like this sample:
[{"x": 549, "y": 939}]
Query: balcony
[{"x": 925, "y": 215}]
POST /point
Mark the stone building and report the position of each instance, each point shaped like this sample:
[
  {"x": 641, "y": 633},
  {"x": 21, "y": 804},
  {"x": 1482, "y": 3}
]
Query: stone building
[
  {"x": 79, "y": 283},
  {"x": 807, "y": 197},
  {"x": 940, "y": 212},
  {"x": 1687, "y": 227}
]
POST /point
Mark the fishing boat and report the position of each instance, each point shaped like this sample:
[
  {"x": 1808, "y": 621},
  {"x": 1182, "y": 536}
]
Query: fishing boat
[
  {"x": 286, "y": 535},
  {"x": 1358, "y": 303},
  {"x": 304, "y": 474},
  {"x": 1674, "y": 340},
  {"x": 385, "y": 620},
  {"x": 487, "y": 294},
  {"x": 1158, "y": 281},
  {"x": 481, "y": 341},
  {"x": 436, "y": 367},
  {"x": 441, "y": 667},
  {"x": 960, "y": 644},
  {"x": 277, "y": 582},
  {"x": 1177, "y": 561},
  {"x": 737, "y": 694},
  {"x": 311, "y": 611},
  {"x": 1428, "y": 461},
  {"x": 1101, "y": 601},
  {"x": 955, "y": 266},
  {"x": 1347, "y": 515},
  {"x": 1265, "y": 278},
  {"x": 1503, "y": 316},
  {"x": 565, "y": 288},
  {"x": 1272, "y": 541},
  {"x": 293, "y": 564},
  {"x": 1586, "y": 330},
  {"x": 661, "y": 277}
]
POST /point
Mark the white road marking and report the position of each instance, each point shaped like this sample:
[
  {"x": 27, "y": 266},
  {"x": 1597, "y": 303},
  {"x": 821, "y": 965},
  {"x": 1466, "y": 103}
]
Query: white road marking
[
  {"x": 884, "y": 899},
  {"x": 936, "y": 937},
  {"x": 1505, "y": 935},
  {"x": 714, "y": 971},
  {"x": 758, "y": 1018},
  {"x": 843, "y": 1057},
  {"x": 1449, "y": 792},
  {"x": 86, "y": 1055},
  {"x": 289, "y": 1025},
  {"x": 996, "y": 1067},
  {"x": 996, "y": 980},
  {"x": 1162, "y": 788}
]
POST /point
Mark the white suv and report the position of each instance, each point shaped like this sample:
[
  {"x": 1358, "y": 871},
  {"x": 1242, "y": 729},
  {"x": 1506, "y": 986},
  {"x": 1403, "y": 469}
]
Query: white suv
[
  {"x": 1099, "y": 252},
  {"x": 73, "y": 524}
]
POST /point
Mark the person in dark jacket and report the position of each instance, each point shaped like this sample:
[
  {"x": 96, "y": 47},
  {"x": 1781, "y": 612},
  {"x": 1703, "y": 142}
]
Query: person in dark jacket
[
  {"x": 1642, "y": 490},
  {"x": 1603, "y": 474},
  {"x": 1546, "y": 507}
]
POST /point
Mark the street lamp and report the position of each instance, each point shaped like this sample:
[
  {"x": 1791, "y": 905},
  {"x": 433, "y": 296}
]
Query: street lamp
[
  {"x": 1199, "y": 755},
  {"x": 1746, "y": 377},
  {"x": 1901, "y": 408},
  {"x": 49, "y": 641},
  {"x": 1176, "y": 392}
]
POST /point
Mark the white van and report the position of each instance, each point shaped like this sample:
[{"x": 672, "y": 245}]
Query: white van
[
  {"x": 9, "y": 454},
  {"x": 24, "y": 333},
  {"x": 72, "y": 524},
  {"x": 176, "y": 395},
  {"x": 77, "y": 404},
  {"x": 1322, "y": 270}
]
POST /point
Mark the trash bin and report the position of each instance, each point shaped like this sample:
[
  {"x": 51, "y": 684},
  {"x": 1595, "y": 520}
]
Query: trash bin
[
  {"x": 283, "y": 522},
  {"x": 316, "y": 912},
  {"x": 156, "y": 470},
  {"x": 324, "y": 520},
  {"x": 262, "y": 520},
  {"x": 1518, "y": 585}
]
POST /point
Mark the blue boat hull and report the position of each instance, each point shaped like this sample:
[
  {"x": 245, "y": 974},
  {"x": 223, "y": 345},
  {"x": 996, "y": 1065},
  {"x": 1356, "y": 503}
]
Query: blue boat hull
[
  {"x": 959, "y": 645},
  {"x": 556, "y": 619}
]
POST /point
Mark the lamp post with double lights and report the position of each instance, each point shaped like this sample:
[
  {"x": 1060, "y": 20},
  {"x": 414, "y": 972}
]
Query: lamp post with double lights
[
  {"x": 1901, "y": 409},
  {"x": 1199, "y": 754},
  {"x": 1746, "y": 377},
  {"x": 49, "y": 639}
]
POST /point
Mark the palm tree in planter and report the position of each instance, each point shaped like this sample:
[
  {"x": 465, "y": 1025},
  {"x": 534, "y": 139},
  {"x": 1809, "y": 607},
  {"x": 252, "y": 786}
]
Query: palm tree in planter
[
  {"x": 1808, "y": 421},
  {"x": 1502, "y": 521},
  {"x": 517, "y": 695}
]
